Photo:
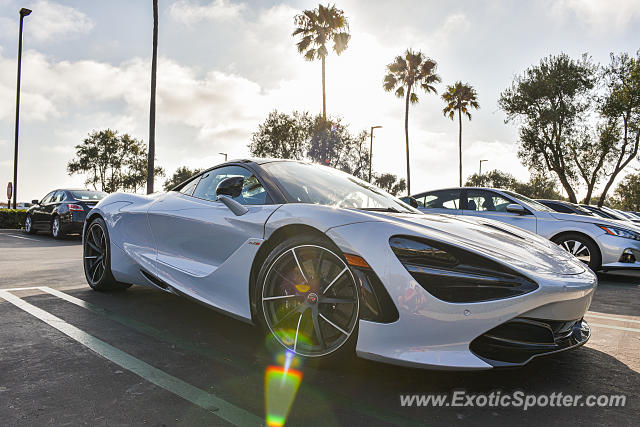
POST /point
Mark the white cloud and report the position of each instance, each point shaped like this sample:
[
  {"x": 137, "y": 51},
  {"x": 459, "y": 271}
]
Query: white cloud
[
  {"x": 601, "y": 16},
  {"x": 188, "y": 12},
  {"x": 51, "y": 21}
]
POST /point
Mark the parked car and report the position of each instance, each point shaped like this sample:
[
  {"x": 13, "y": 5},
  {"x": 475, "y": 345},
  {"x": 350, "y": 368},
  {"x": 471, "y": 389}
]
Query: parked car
[
  {"x": 606, "y": 212},
  {"x": 565, "y": 207},
  {"x": 328, "y": 264},
  {"x": 603, "y": 244},
  {"x": 61, "y": 212}
]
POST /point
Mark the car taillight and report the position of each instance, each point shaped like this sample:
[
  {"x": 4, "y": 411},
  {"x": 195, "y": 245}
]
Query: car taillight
[{"x": 75, "y": 208}]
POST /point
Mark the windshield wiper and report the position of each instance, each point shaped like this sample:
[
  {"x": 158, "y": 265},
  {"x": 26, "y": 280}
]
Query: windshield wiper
[{"x": 388, "y": 209}]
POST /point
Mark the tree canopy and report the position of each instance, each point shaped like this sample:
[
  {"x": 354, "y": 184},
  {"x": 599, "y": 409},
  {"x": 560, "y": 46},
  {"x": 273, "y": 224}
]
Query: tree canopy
[
  {"x": 112, "y": 162},
  {"x": 538, "y": 186},
  {"x": 181, "y": 174}
]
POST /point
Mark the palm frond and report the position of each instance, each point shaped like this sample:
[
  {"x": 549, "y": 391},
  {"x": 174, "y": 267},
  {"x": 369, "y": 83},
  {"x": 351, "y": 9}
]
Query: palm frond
[
  {"x": 310, "y": 55},
  {"x": 413, "y": 98},
  {"x": 400, "y": 92}
]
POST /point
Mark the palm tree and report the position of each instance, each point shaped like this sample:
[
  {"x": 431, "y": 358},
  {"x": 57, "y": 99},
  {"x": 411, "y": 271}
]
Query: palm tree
[
  {"x": 152, "y": 103},
  {"x": 317, "y": 28},
  {"x": 460, "y": 97},
  {"x": 405, "y": 74}
]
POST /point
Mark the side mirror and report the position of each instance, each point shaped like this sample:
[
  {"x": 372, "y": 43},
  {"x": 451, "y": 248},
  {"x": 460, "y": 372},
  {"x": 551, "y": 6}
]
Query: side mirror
[
  {"x": 35, "y": 202},
  {"x": 233, "y": 206},
  {"x": 515, "y": 208},
  {"x": 231, "y": 187}
]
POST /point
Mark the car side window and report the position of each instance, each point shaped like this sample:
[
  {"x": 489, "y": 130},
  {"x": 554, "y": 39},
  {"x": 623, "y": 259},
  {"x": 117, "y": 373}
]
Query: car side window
[
  {"x": 47, "y": 198},
  {"x": 58, "y": 197},
  {"x": 560, "y": 208},
  {"x": 445, "y": 199},
  {"x": 253, "y": 193},
  {"x": 188, "y": 189},
  {"x": 486, "y": 201}
]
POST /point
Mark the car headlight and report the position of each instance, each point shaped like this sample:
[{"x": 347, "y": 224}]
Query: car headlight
[
  {"x": 620, "y": 232},
  {"x": 453, "y": 274}
]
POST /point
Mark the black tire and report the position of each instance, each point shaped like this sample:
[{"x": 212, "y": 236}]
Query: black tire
[
  {"x": 580, "y": 245},
  {"x": 56, "y": 229},
  {"x": 97, "y": 258},
  {"x": 333, "y": 309},
  {"x": 28, "y": 225}
]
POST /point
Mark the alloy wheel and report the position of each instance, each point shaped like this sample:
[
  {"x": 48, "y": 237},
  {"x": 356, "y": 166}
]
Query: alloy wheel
[
  {"x": 27, "y": 224},
  {"x": 310, "y": 300},
  {"x": 55, "y": 227},
  {"x": 95, "y": 251},
  {"x": 577, "y": 249}
]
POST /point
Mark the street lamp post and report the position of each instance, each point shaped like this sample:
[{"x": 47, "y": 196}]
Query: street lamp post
[
  {"x": 225, "y": 156},
  {"x": 23, "y": 12},
  {"x": 371, "y": 149},
  {"x": 480, "y": 171}
]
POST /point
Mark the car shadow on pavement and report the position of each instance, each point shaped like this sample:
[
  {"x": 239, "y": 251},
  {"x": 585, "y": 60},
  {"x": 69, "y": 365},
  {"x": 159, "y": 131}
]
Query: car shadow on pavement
[{"x": 352, "y": 388}]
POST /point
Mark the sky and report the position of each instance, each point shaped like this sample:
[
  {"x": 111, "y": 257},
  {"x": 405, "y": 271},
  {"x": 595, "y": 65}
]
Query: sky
[{"x": 225, "y": 64}]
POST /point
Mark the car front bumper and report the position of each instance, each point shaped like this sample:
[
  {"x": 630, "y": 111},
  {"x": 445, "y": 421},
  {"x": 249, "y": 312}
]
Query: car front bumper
[
  {"x": 619, "y": 253},
  {"x": 431, "y": 333}
]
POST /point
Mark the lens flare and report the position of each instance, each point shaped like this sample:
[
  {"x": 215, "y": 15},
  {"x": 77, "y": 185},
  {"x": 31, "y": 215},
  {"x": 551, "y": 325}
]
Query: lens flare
[{"x": 281, "y": 385}]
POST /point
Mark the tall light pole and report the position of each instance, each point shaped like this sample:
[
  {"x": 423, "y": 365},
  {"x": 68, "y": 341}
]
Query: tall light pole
[
  {"x": 152, "y": 104},
  {"x": 480, "y": 171},
  {"x": 23, "y": 12},
  {"x": 371, "y": 149},
  {"x": 225, "y": 156}
]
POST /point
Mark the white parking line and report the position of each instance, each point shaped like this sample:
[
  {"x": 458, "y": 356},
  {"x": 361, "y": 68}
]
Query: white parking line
[
  {"x": 208, "y": 401},
  {"x": 619, "y": 319},
  {"x": 22, "y": 237},
  {"x": 620, "y": 328}
]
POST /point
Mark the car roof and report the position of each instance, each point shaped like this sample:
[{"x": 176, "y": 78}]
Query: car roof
[{"x": 461, "y": 188}]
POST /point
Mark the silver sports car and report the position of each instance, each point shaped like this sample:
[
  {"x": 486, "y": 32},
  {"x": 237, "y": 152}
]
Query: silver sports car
[{"x": 327, "y": 263}]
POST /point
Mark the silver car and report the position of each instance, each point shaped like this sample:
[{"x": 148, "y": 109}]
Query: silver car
[
  {"x": 603, "y": 244},
  {"x": 328, "y": 264}
]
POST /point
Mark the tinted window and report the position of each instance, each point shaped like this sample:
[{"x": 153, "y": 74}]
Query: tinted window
[
  {"x": 445, "y": 199},
  {"x": 188, "y": 188},
  {"x": 58, "y": 197},
  {"x": 253, "y": 193},
  {"x": 559, "y": 207},
  {"x": 47, "y": 198},
  {"x": 486, "y": 201},
  {"x": 87, "y": 195}
]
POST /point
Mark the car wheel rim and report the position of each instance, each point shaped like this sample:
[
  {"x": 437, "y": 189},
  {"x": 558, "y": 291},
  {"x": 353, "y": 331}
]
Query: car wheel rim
[
  {"x": 55, "y": 229},
  {"x": 577, "y": 249},
  {"x": 95, "y": 250},
  {"x": 310, "y": 300},
  {"x": 27, "y": 224}
]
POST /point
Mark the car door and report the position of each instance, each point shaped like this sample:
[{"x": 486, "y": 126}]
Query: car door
[
  {"x": 490, "y": 204},
  {"x": 49, "y": 207},
  {"x": 203, "y": 247},
  {"x": 38, "y": 215},
  {"x": 441, "y": 201}
]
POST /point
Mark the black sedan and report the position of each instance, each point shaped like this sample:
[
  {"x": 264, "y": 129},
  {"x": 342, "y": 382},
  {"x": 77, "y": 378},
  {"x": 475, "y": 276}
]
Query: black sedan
[{"x": 61, "y": 212}]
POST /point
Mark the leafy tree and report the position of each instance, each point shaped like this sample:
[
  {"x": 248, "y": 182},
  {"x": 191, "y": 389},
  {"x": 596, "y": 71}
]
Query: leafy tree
[
  {"x": 538, "y": 187},
  {"x": 460, "y": 98},
  {"x": 181, "y": 174},
  {"x": 282, "y": 136},
  {"x": 390, "y": 183},
  {"x": 300, "y": 136},
  {"x": 626, "y": 197},
  {"x": 620, "y": 107},
  {"x": 317, "y": 28},
  {"x": 112, "y": 162},
  {"x": 404, "y": 75},
  {"x": 549, "y": 101}
]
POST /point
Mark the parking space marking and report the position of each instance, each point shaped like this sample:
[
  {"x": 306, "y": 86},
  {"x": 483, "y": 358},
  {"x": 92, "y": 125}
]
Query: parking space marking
[
  {"x": 620, "y": 328},
  {"x": 619, "y": 319},
  {"x": 205, "y": 400},
  {"x": 22, "y": 237}
]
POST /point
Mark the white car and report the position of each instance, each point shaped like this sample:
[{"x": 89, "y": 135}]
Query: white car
[
  {"x": 328, "y": 264},
  {"x": 603, "y": 244}
]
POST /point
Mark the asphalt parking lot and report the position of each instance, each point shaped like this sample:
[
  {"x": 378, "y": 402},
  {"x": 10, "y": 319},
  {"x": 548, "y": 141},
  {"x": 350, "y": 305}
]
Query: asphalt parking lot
[{"x": 72, "y": 356}]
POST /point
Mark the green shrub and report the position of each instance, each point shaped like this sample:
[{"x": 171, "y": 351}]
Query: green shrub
[{"x": 12, "y": 218}]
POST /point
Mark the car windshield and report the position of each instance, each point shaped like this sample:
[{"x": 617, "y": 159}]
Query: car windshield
[
  {"x": 322, "y": 185},
  {"x": 532, "y": 203},
  {"x": 88, "y": 195},
  {"x": 614, "y": 214}
]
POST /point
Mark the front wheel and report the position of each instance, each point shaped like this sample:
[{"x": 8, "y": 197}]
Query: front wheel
[
  {"x": 56, "y": 229},
  {"x": 582, "y": 248},
  {"x": 308, "y": 298},
  {"x": 28, "y": 225},
  {"x": 97, "y": 258}
]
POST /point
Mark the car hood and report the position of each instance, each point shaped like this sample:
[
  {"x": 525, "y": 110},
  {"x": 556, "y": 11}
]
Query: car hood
[
  {"x": 510, "y": 245},
  {"x": 595, "y": 220}
]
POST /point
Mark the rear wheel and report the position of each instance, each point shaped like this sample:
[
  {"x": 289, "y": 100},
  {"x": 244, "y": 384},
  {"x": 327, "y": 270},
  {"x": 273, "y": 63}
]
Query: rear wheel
[
  {"x": 56, "y": 230},
  {"x": 308, "y": 298},
  {"x": 28, "y": 225},
  {"x": 581, "y": 247},
  {"x": 97, "y": 258}
]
